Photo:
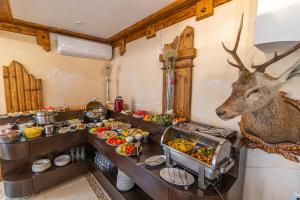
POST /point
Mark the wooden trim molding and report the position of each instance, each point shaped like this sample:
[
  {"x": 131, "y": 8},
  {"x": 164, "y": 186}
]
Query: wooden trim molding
[
  {"x": 167, "y": 17},
  {"x": 58, "y": 31},
  {"x": 174, "y": 13},
  {"x": 7, "y": 18}
]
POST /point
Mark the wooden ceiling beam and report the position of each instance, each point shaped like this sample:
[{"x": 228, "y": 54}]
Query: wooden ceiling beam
[
  {"x": 162, "y": 19},
  {"x": 17, "y": 29},
  {"x": 58, "y": 31},
  {"x": 6, "y": 17},
  {"x": 42, "y": 37},
  {"x": 174, "y": 13},
  {"x": 163, "y": 13}
]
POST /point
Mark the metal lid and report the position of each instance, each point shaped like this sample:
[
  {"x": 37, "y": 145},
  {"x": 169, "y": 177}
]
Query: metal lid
[
  {"x": 43, "y": 113},
  {"x": 94, "y": 105}
]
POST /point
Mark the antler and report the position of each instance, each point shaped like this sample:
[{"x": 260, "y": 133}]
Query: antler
[
  {"x": 239, "y": 64},
  {"x": 262, "y": 67}
]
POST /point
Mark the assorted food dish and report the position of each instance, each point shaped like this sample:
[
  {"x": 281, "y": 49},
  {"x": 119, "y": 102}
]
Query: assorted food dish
[
  {"x": 81, "y": 126},
  {"x": 114, "y": 125},
  {"x": 181, "y": 144},
  {"x": 63, "y": 130},
  {"x": 116, "y": 140},
  {"x": 97, "y": 130},
  {"x": 140, "y": 114},
  {"x": 33, "y": 132},
  {"x": 129, "y": 149},
  {"x": 106, "y": 134},
  {"x": 205, "y": 154},
  {"x": 202, "y": 153},
  {"x": 131, "y": 132}
]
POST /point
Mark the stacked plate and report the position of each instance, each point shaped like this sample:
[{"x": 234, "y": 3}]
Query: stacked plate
[
  {"x": 124, "y": 183},
  {"x": 41, "y": 165},
  {"x": 62, "y": 160}
]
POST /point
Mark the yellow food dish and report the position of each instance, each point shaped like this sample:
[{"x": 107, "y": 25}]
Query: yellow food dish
[
  {"x": 131, "y": 132},
  {"x": 181, "y": 144},
  {"x": 33, "y": 132}
]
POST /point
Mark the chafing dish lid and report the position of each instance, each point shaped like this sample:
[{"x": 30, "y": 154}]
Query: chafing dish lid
[
  {"x": 94, "y": 105},
  {"x": 43, "y": 113}
]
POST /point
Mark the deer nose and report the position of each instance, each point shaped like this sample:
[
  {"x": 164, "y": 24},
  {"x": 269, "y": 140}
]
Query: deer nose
[{"x": 221, "y": 113}]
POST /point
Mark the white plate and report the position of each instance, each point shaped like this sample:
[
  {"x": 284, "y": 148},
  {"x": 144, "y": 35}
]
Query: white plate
[
  {"x": 155, "y": 160},
  {"x": 177, "y": 176},
  {"x": 62, "y": 160},
  {"x": 41, "y": 165}
]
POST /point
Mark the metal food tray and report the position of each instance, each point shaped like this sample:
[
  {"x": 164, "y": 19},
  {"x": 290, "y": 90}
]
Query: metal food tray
[{"x": 210, "y": 171}]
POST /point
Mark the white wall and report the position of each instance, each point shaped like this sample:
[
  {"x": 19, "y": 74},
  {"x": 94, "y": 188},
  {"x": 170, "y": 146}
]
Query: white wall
[
  {"x": 138, "y": 78},
  {"x": 67, "y": 81}
]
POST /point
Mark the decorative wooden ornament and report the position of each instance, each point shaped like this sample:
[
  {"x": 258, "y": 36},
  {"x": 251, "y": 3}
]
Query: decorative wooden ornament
[
  {"x": 270, "y": 120},
  {"x": 150, "y": 31},
  {"x": 183, "y": 72},
  {"x": 22, "y": 91},
  {"x": 43, "y": 39},
  {"x": 122, "y": 46},
  {"x": 205, "y": 8}
]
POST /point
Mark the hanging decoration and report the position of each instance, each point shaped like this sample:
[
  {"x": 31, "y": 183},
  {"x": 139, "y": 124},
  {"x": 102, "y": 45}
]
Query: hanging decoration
[{"x": 108, "y": 68}]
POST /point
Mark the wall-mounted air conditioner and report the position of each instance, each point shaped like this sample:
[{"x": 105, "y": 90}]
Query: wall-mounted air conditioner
[{"x": 83, "y": 48}]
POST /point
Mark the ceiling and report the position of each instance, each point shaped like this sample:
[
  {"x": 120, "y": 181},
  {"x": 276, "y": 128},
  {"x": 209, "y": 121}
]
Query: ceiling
[{"x": 100, "y": 18}]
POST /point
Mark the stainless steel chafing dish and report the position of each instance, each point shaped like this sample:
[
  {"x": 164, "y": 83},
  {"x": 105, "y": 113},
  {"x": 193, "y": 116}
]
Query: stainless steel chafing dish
[
  {"x": 95, "y": 110},
  {"x": 221, "y": 161}
]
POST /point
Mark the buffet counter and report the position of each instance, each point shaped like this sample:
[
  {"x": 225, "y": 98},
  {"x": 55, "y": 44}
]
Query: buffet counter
[{"x": 19, "y": 180}]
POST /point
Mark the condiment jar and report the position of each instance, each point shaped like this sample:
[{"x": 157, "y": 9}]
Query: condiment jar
[{"x": 119, "y": 104}]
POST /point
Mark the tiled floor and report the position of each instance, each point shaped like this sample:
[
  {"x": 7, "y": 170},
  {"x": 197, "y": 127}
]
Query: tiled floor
[{"x": 80, "y": 188}]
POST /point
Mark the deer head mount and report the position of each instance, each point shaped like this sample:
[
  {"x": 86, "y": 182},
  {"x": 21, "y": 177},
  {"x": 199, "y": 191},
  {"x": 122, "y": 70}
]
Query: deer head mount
[{"x": 255, "y": 96}]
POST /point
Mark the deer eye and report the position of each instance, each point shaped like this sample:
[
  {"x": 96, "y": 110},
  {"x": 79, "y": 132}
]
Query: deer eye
[{"x": 253, "y": 92}]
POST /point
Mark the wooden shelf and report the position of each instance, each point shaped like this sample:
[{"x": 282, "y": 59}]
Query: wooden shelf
[
  {"x": 56, "y": 175},
  {"x": 28, "y": 182},
  {"x": 109, "y": 181}
]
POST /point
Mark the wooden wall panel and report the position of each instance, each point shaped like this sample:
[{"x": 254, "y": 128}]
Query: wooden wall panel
[
  {"x": 7, "y": 89},
  {"x": 27, "y": 90},
  {"x": 33, "y": 93},
  {"x": 20, "y": 86},
  {"x": 39, "y": 93},
  {"x": 22, "y": 91},
  {"x": 183, "y": 73},
  {"x": 13, "y": 86}
]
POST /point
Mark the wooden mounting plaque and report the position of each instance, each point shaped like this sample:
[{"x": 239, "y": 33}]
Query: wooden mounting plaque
[{"x": 183, "y": 74}]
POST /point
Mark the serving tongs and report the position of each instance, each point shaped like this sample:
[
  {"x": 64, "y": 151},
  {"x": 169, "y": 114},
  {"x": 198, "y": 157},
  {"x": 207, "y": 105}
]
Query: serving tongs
[{"x": 184, "y": 180}]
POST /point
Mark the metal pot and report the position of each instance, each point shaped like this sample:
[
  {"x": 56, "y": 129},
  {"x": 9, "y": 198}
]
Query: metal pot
[
  {"x": 49, "y": 129},
  {"x": 45, "y": 117}
]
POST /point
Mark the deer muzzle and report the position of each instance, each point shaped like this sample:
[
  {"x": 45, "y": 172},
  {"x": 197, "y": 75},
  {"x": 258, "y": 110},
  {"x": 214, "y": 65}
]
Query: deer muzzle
[{"x": 225, "y": 114}]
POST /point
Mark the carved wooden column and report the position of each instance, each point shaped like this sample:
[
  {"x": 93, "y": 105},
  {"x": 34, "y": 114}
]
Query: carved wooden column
[{"x": 183, "y": 73}]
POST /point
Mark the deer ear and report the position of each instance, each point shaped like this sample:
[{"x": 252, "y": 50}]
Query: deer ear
[{"x": 292, "y": 72}]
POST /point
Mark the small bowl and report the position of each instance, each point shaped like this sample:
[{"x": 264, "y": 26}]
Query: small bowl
[
  {"x": 129, "y": 139},
  {"x": 138, "y": 137}
]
